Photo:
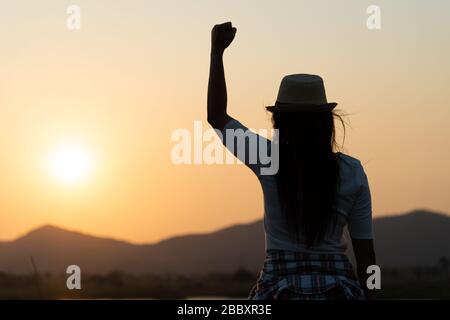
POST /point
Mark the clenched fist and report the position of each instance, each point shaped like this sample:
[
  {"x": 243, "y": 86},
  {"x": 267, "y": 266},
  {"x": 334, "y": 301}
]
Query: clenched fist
[{"x": 221, "y": 37}]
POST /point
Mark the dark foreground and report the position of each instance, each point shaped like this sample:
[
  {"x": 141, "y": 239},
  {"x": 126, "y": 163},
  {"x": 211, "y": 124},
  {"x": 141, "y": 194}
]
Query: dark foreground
[{"x": 411, "y": 283}]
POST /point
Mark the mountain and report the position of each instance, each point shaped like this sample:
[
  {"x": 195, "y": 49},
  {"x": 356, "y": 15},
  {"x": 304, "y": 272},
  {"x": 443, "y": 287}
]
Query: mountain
[
  {"x": 53, "y": 249},
  {"x": 416, "y": 238}
]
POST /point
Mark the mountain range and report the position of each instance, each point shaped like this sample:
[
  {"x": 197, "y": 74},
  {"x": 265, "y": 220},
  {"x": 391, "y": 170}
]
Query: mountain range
[{"x": 418, "y": 238}]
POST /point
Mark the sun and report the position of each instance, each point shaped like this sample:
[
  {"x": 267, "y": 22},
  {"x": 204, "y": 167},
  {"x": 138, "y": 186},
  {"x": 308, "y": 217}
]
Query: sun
[{"x": 70, "y": 164}]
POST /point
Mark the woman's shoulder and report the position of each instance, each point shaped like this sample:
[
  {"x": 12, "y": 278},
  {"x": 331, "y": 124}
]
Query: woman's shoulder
[
  {"x": 351, "y": 171},
  {"x": 348, "y": 160}
]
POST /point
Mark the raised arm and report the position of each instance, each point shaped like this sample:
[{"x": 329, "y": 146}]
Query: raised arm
[{"x": 221, "y": 37}]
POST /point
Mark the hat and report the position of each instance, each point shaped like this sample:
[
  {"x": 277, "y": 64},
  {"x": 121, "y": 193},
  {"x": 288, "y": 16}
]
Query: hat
[{"x": 302, "y": 93}]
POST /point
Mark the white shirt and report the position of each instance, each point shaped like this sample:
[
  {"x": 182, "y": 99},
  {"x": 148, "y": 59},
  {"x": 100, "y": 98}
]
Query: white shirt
[{"x": 353, "y": 200}]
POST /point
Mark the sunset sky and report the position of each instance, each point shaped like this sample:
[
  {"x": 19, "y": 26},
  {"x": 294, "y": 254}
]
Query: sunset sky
[{"x": 113, "y": 92}]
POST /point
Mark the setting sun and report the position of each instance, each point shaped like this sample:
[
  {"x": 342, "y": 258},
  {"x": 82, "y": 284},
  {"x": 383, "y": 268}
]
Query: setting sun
[{"x": 70, "y": 164}]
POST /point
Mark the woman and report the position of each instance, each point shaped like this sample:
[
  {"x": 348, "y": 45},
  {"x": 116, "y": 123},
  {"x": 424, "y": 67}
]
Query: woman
[{"x": 315, "y": 194}]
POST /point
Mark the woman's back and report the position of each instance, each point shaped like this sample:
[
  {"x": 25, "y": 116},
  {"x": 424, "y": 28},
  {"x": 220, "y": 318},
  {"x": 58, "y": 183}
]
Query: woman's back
[{"x": 353, "y": 203}]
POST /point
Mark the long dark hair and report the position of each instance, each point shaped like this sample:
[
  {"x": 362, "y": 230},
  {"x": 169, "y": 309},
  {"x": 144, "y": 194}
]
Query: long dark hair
[{"x": 308, "y": 175}]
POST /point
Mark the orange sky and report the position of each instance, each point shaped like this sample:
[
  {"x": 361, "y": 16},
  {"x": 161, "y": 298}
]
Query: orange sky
[{"x": 138, "y": 70}]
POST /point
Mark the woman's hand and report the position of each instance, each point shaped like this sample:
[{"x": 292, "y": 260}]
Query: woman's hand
[{"x": 221, "y": 37}]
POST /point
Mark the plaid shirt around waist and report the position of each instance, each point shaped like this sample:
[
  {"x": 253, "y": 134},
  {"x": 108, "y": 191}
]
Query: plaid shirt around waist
[{"x": 304, "y": 276}]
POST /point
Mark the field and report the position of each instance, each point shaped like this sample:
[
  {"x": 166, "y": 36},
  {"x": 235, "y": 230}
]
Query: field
[{"x": 411, "y": 283}]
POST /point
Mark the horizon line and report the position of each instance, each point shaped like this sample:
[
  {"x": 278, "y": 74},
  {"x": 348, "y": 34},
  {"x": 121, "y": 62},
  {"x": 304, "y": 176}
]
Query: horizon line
[{"x": 233, "y": 225}]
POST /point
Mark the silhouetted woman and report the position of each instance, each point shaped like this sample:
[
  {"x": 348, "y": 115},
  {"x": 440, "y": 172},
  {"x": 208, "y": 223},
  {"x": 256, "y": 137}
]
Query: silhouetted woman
[{"x": 313, "y": 196}]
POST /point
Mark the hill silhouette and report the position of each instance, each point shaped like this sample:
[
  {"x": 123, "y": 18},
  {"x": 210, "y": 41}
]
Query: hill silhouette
[{"x": 418, "y": 238}]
